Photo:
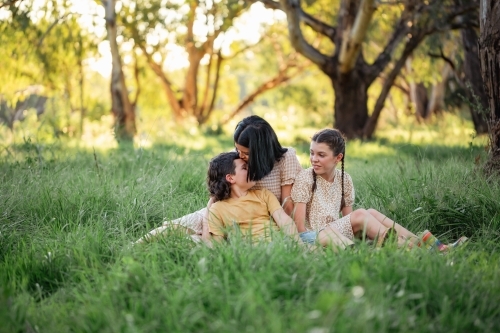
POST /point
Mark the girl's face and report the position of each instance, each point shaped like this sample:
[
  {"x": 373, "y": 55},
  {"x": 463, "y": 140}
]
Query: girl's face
[
  {"x": 243, "y": 151},
  {"x": 322, "y": 159}
]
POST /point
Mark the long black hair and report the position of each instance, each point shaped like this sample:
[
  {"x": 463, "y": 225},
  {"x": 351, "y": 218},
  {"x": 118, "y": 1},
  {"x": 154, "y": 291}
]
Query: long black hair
[
  {"x": 258, "y": 136},
  {"x": 220, "y": 166},
  {"x": 336, "y": 142}
]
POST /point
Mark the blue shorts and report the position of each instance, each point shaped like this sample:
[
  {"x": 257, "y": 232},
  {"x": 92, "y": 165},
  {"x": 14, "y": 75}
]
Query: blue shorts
[{"x": 309, "y": 237}]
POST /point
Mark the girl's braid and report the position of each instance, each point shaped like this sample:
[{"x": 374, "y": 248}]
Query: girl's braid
[
  {"x": 314, "y": 181},
  {"x": 342, "y": 202}
]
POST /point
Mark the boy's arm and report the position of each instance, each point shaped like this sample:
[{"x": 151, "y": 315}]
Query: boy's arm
[
  {"x": 286, "y": 224},
  {"x": 300, "y": 216}
]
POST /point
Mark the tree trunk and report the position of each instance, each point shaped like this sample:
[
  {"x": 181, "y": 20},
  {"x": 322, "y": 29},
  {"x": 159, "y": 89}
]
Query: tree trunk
[
  {"x": 418, "y": 93},
  {"x": 436, "y": 100},
  {"x": 489, "y": 53},
  {"x": 473, "y": 82},
  {"x": 351, "y": 109},
  {"x": 121, "y": 107}
]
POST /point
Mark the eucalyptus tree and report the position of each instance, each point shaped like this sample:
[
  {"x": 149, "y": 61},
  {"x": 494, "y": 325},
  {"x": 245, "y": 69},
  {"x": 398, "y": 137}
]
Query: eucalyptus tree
[
  {"x": 41, "y": 47},
  {"x": 351, "y": 33},
  {"x": 122, "y": 107},
  {"x": 155, "y": 26},
  {"x": 489, "y": 51}
]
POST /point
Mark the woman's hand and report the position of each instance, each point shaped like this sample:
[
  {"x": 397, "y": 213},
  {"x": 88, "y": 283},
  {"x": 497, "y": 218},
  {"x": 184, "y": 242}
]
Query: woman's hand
[{"x": 205, "y": 233}]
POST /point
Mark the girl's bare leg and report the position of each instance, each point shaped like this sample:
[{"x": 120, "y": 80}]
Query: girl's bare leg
[
  {"x": 363, "y": 221},
  {"x": 331, "y": 236},
  {"x": 388, "y": 223}
]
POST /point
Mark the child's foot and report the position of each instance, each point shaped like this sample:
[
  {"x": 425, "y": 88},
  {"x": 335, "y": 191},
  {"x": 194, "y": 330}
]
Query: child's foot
[
  {"x": 458, "y": 243},
  {"x": 430, "y": 242}
]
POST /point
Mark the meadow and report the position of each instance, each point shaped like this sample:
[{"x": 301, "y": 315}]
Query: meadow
[{"x": 69, "y": 214}]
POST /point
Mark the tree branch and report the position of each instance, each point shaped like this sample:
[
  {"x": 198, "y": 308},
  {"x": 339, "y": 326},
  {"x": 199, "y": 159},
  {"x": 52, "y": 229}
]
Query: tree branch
[
  {"x": 442, "y": 56},
  {"x": 315, "y": 24},
  {"x": 216, "y": 86},
  {"x": 400, "y": 30},
  {"x": 8, "y": 3},
  {"x": 351, "y": 45},
  {"x": 174, "y": 102},
  {"x": 410, "y": 46},
  {"x": 293, "y": 11},
  {"x": 203, "y": 104},
  {"x": 281, "y": 77}
]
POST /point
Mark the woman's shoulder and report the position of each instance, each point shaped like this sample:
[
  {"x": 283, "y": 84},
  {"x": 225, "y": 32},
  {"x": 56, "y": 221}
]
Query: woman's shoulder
[
  {"x": 290, "y": 151},
  {"x": 289, "y": 155}
]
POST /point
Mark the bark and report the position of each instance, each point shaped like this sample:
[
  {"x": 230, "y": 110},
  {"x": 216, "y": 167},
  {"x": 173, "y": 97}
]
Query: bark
[
  {"x": 122, "y": 108},
  {"x": 478, "y": 100},
  {"x": 351, "y": 109},
  {"x": 489, "y": 54},
  {"x": 351, "y": 43},
  {"x": 418, "y": 93}
]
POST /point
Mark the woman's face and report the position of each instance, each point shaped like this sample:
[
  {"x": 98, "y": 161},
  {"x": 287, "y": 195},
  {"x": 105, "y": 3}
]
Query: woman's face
[
  {"x": 242, "y": 151},
  {"x": 322, "y": 159}
]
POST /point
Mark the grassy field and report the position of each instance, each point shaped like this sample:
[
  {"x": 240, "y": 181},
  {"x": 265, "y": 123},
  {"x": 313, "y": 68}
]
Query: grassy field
[{"x": 68, "y": 215}]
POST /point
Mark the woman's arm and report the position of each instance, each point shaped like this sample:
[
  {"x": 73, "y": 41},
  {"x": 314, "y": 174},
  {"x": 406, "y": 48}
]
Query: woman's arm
[
  {"x": 300, "y": 216},
  {"x": 346, "y": 210},
  {"x": 287, "y": 202}
]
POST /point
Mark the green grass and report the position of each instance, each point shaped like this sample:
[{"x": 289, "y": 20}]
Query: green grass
[{"x": 67, "y": 216}]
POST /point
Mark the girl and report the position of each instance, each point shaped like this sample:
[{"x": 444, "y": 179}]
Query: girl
[
  {"x": 322, "y": 191},
  {"x": 269, "y": 164}
]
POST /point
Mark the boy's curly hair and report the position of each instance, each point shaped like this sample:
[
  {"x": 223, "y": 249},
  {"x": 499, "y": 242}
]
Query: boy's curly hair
[{"x": 220, "y": 166}]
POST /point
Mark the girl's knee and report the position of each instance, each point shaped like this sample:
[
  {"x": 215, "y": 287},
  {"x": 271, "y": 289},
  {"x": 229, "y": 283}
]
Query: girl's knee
[{"x": 359, "y": 215}]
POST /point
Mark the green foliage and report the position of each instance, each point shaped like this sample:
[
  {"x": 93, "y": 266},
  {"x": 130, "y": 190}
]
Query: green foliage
[{"x": 68, "y": 216}]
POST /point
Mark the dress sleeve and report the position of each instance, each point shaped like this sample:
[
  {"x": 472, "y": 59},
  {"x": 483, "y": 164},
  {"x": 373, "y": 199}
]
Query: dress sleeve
[
  {"x": 302, "y": 188},
  {"x": 348, "y": 190},
  {"x": 215, "y": 223},
  {"x": 290, "y": 167}
]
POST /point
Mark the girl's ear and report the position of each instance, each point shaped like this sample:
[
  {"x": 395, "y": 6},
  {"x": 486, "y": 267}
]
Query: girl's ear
[
  {"x": 229, "y": 178},
  {"x": 339, "y": 157}
]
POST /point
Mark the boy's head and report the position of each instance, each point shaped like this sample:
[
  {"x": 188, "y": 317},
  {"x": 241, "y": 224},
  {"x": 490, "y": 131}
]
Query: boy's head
[{"x": 225, "y": 170}]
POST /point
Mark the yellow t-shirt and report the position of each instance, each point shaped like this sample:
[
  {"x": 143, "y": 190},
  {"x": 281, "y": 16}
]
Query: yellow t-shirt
[{"x": 250, "y": 215}]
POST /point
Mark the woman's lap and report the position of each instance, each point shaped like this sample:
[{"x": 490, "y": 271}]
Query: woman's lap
[{"x": 193, "y": 221}]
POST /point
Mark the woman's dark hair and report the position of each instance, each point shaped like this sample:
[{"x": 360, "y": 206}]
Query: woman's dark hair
[
  {"x": 220, "y": 166},
  {"x": 264, "y": 148},
  {"x": 336, "y": 142}
]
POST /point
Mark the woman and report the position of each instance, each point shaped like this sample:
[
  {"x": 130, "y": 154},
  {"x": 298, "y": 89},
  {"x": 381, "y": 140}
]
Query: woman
[{"x": 269, "y": 164}]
